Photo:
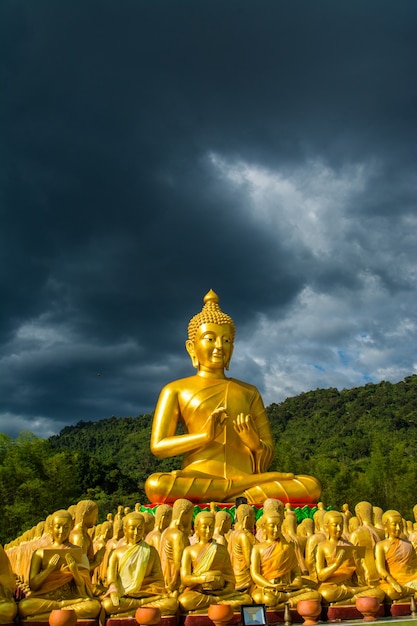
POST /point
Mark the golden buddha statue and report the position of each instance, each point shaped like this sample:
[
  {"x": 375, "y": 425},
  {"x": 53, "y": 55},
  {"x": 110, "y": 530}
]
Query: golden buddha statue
[
  {"x": 227, "y": 443},
  {"x": 274, "y": 568},
  {"x": 8, "y": 607},
  {"x": 59, "y": 577},
  {"x": 339, "y": 566},
  {"x": 206, "y": 571},
  {"x": 135, "y": 576}
]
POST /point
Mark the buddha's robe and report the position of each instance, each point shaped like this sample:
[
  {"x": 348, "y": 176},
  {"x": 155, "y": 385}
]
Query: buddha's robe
[
  {"x": 212, "y": 557},
  {"x": 8, "y": 607},
  {"x": 343, "y": 586},
  {"x": 136, "y": 575},
  {"x": 278, "y": 564},
  {"x": 401, "y": 563},
  {"x": 59, "y": 590},
  {"x": 225, "y": 467}
]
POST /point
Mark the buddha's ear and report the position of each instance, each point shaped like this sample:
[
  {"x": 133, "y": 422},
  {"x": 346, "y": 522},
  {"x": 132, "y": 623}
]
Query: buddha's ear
[
  {"x": 190, "y": 349},
  {"x": 226, "y": 365}
]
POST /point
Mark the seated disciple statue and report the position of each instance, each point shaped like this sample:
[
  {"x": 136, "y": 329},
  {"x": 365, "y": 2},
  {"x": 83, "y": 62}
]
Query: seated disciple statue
[
  {"x": 240, "y": 544},
  {"x": 163, "y": 518},
  {"x": 366, "y": 536},
  {"x": 8, "y": 607},
  {"x": 86, "y": 516},
  {"x": 206, "y": 571},
  {"x": 134, "y": 574},
  {"x": 275, "y": 572},
  {"x": 174, "y": 540},
  {"x": 222, "y": 527},
  {"x": 227, "y": 443},
  {"x": 338, "y": 563},
  {"x": 313, "y": 541},
  {"x": 59, "y": 577},
  {"x": 396, "y": 559}
]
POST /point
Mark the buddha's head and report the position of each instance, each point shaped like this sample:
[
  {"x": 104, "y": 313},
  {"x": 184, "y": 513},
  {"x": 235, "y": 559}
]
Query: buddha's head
[
  {"x": 272, "y": 524},
  {"x": 223, "y": 522},
  {"x": 204, "y": 525},
  {"x": 364, "y": 512},
  {"x": 86, "y": 513},
  {"x": 182, "y": 514},
  {"x": 245, "y": 516},
  {"x": 61, "y": 526},
  {"x": 393, "y": 524},
  {"x": 211, "y": 335},
  {"x": 163, "y": 516},
  {"x": 333, "y": 524},
  {"x": 134, "y": 527}
]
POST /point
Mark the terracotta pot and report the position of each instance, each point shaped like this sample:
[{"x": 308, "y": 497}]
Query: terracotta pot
[
  {"x": 310, "y": 611},
  {"x": 368, "y": 606},
  {"x": 220, "y": 614},
  {"x": 62, "y": 617},
  {"x": 148, "y": 615}
]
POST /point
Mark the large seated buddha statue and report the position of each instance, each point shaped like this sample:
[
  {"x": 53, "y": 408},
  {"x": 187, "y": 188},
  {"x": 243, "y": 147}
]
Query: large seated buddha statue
[{"x": 226, "y": 442}]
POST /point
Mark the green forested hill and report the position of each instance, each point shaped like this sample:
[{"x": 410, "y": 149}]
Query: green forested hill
[{"x": 360, "y": 443}]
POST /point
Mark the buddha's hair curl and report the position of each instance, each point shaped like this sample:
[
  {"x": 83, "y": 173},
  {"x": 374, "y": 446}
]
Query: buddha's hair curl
[{"x": 211, "y": 313}]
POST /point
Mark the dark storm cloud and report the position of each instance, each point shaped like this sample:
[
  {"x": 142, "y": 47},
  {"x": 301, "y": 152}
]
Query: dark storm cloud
[{"x": 154, "y": 150}]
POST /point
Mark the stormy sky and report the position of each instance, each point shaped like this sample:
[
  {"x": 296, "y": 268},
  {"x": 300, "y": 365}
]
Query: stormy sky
[{"x": 154, "y": 149}]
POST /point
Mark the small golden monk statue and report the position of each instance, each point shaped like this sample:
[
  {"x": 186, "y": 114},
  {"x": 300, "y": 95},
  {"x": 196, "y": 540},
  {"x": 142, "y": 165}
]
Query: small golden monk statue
[
  {"x": 59, "y": 576},
  {"x": 86, "y": 516},
  {"x": 338, "y": 563},
  {"x": 227, "y": 443},
  {"x": 134, "y": 574},
  {"x": 8, "y": 607},
  {"x": 274, "y": 568},
  {"x": 206, "y": 571},
  {"x": 163, "y": 518},
  {"x": 240, "y": 544},
  {"x": 396, "y": 559},
  {"x": 174, "y": 539}
]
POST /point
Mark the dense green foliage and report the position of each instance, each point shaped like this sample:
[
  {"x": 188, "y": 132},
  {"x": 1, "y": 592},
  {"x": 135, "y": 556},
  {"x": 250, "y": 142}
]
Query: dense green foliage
[{"x": 360, "y": 443}]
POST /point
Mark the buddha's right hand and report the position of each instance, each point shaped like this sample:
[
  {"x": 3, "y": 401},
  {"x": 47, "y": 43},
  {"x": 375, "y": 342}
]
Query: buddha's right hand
[{"x": 215, "y": 423}]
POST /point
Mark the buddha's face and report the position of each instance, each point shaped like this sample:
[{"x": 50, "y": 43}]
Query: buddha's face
[
  {"x": 134, "y": 530},
  {"x": 61, "y": 528},
  {"x": 272, "y": 527},
  {"x": 205, "y": 528},
  {"x": 212, "y": 347},
  {"x": 334, "y": 526},
  {"x": 393, "y": 526}
]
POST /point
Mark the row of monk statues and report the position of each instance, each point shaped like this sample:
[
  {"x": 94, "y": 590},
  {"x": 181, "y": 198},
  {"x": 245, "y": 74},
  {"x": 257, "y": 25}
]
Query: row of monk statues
[{"x": 176, "y": 560}]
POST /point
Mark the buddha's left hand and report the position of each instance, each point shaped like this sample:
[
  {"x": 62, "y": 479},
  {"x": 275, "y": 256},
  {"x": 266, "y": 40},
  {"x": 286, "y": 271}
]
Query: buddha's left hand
[{"x": 247, "y": 431}]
